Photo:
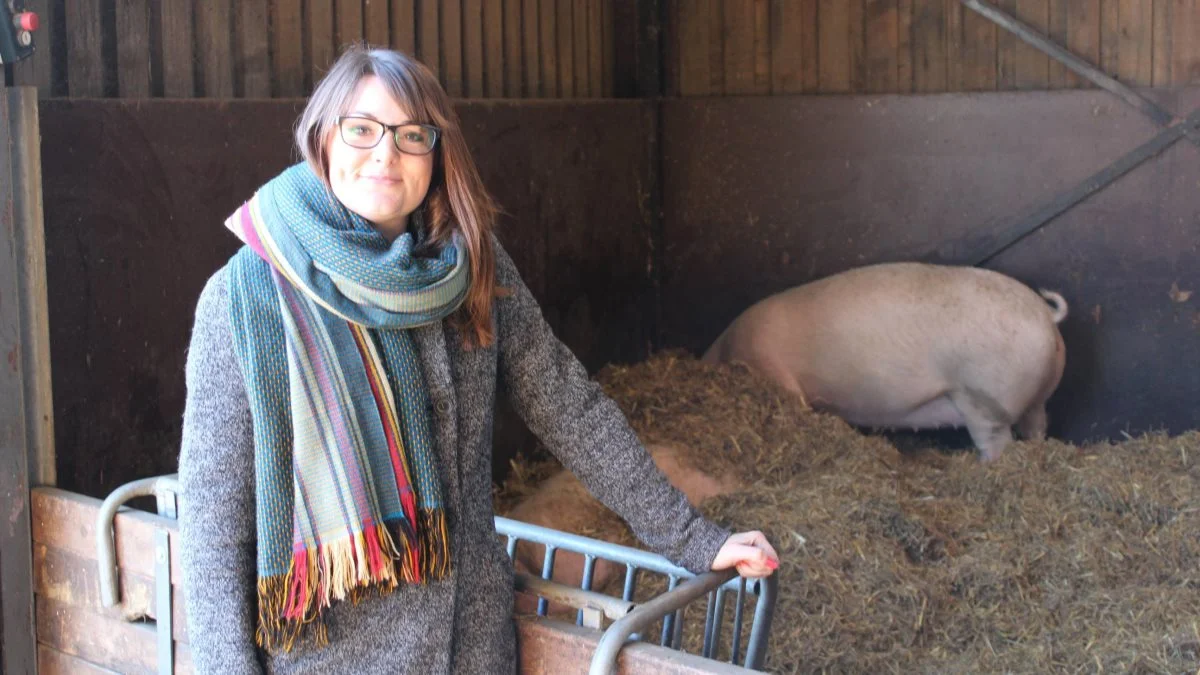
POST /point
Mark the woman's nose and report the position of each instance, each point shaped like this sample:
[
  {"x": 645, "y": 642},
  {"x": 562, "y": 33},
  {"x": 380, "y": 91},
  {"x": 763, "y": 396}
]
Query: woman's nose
[{"x": 385, "y": 149}]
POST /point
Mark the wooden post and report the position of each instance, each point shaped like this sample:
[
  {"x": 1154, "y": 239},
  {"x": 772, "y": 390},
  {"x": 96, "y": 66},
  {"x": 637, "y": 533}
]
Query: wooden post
[{"x": 26, "y": 423}]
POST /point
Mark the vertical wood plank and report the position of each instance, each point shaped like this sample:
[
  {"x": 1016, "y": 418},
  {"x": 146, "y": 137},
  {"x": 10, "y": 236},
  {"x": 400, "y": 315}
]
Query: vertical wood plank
[
  {"x": 254, "y": 55},
  {"x": 452, "y": 47},
  {"x": 858, "y": 44},
  {"x": 403, "y": 18},
  {"x": 531, "y": 63},
  {"x": 929, "y": 46},
  {"x": 377, "y": 27},
  {"x": 579, "y": 44},
  {"x": 762, "y": 47},
  {"x": 1110, "y": 36},
  {"x": 548, "y": 47},
  {"x": 376, "y": 24},
  {"x": 1033, "y": 66},
  {"x": 564, "y": 32},
  {"x": 882, "y": 45},
  {"x": 287, "y": 42},
  {"x": 1083, "y": 36},
  {"x": 1185, "y": 42},
  {"x": 429, "y": 49},
  {"x": 38, "y": 70},
  {"x": 348, "y": 16},
  {"x": 472, "y": 40},
  {"x": 978, "y": 51},
  {"x": 810, "y": 42},
  {"x": 1006, "y": 48},
  {"x": 495, "y": 66},
  {"x": 214, "y": 32},
  {"x": 787, "y": 47},
  {"x": 17, "y": 635},
  {"x": 23, "y": 206},
  {"x": 625, "y": 41},
  {"x": 85, "y": 64},
  {"x": 595, "y": 22},
  {"x": 1059, "y": 31},
  {"x": 321, "y": 38},
  {"x": 716, "y": 47},
  {"x": 513, "y": 65},
  {"x": 178, "y": 50},
  {"x": 954, "y": 35},
  {"x": 904, "y": 47},
  {"x": 1135, "y": 64},
  {"x": 1161, "y": 56},
  {"x": 833, "y": 17},
  {"x": 608, "y": 43},
  {"x": 133, "y": 48},
  {"x": 739, "y": 46}
]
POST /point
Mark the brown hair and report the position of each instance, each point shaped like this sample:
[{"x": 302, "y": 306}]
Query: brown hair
[{"x": 457, "y": 198}]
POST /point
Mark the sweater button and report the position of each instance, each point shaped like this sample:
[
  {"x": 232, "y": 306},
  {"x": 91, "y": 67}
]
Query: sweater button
[{"x": 443, "y": 407}]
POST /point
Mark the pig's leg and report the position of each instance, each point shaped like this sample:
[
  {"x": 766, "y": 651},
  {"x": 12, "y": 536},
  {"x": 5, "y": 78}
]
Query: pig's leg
[
  {"x": 1032, "y": 424},
  {"x": 988, "y": 423}
]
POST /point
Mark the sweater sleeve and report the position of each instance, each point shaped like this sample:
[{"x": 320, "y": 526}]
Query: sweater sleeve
[
  {"x": 589, "y": 434},
  {"x": 217, "y": 523}
]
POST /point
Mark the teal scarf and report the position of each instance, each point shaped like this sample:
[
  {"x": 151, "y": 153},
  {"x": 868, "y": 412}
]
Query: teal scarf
[{"x": 347, "y": 494}]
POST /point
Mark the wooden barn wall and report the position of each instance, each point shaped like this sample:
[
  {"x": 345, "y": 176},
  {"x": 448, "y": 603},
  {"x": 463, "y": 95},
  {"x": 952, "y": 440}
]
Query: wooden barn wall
[
  {"x": 591, "y": 48},
  {"x": 742, "y": 47},
  {"x": 135, "y": 194},
  {"x": 753, "y": 205},
  {"x": 277, "y": 48}
]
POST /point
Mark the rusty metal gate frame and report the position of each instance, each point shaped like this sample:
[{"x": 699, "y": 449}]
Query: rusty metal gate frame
[{"x": 980, "y": 250}]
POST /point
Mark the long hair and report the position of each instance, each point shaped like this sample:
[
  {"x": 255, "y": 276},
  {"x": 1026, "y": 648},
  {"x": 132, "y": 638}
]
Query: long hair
[{"x": 457, "y": 198}]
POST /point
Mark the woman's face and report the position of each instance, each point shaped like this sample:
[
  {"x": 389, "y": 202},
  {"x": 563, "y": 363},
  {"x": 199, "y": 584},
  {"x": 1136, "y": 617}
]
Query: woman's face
[{"x": 381, "y": 183}]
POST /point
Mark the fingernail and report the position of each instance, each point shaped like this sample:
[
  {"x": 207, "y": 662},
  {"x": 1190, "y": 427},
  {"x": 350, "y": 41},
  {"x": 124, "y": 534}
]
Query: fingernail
[{"x": 772, "y": 563}]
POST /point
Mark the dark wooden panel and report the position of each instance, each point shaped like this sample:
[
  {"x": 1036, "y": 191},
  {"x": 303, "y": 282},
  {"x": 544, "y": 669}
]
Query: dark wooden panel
[
  {"x": 136, "y": 196},
  {"x": 897, "y": 178}
]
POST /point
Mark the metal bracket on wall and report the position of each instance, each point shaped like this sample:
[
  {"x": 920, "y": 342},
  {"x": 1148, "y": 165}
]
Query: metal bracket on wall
[{"x": 980, "y": 250}]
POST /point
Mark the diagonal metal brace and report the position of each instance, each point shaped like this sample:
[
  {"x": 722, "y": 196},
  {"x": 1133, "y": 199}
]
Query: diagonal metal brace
[
  {"x": 979, "y": 250},
  {"x": 1031, "y": 36}
]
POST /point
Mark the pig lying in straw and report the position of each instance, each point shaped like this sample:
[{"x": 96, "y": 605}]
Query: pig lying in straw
[
  {"x": 562, "y": 502},
  {"x": 899, "y": 345}
]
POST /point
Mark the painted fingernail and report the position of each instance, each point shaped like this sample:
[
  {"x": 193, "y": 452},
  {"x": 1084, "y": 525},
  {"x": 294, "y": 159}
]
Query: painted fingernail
[{"x": 772, "y": 563}]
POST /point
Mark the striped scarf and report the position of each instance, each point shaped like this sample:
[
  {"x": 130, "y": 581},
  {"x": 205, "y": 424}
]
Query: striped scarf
[{"x": 347, "y": 495}]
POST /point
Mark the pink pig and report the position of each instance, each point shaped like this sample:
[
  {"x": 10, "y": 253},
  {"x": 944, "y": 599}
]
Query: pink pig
[{"x": 911, "y": 345}]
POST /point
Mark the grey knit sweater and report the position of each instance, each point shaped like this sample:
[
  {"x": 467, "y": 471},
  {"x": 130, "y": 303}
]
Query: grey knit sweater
[{"x": 464, "y": 623}]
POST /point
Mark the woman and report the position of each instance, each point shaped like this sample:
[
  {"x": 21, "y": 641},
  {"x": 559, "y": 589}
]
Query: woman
[{"x": 336, "y": 453}]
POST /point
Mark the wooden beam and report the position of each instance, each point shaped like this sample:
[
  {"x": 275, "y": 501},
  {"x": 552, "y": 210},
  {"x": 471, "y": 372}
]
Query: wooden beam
[
  {"x": 547, "y": 646},
  {"x": 30, "y": 239},
  {"x": 17, "y": 646}
]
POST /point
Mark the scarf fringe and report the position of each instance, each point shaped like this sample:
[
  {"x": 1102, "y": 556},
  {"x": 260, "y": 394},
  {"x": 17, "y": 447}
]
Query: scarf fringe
[
  {"x": 368, "y": 563},
  {"x": 435, "y": 544}
]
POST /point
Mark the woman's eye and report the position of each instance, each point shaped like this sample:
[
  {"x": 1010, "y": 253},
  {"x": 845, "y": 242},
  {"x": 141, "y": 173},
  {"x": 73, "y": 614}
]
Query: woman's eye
[
  {"x": 360, "y": 130},
  {"x": 414, "y": 137}
]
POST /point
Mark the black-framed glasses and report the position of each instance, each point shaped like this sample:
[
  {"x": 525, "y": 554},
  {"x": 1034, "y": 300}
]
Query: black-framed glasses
[{"x": 365, "y": 133}]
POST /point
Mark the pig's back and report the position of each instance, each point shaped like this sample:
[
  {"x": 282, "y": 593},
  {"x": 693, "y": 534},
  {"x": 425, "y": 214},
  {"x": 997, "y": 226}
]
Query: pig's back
[{"x": 867, "y": 329}]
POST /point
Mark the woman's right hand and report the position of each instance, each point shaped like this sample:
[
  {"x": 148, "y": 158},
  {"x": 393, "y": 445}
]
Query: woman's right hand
[{"x": 749, "y": 552}]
